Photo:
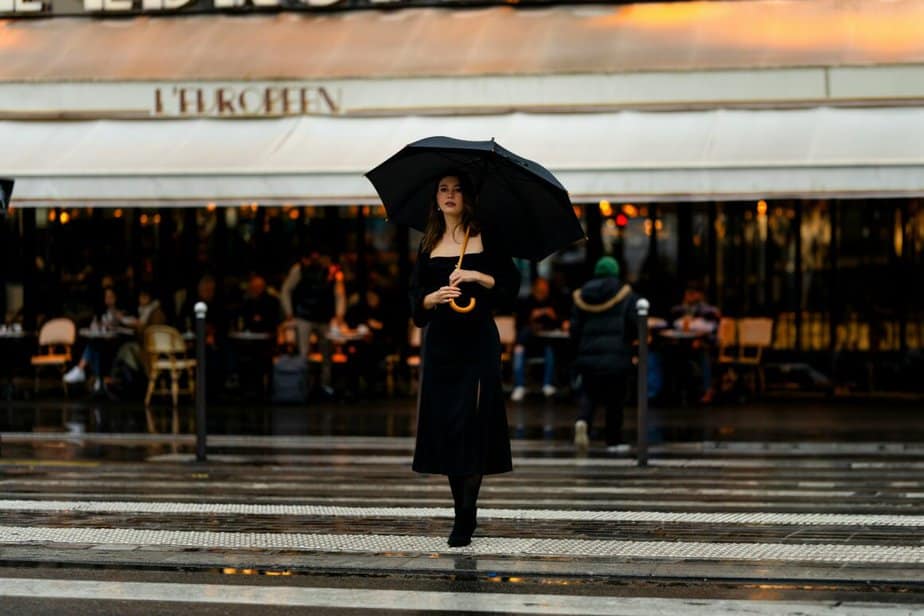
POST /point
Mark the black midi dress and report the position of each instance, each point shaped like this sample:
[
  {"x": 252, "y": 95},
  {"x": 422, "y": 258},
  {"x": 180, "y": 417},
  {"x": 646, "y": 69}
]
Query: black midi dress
[{"x": 461, "y": 417}]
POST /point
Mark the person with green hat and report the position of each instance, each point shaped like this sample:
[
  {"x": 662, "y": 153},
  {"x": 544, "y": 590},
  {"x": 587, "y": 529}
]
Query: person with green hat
[{"x": 603, "y": 331}]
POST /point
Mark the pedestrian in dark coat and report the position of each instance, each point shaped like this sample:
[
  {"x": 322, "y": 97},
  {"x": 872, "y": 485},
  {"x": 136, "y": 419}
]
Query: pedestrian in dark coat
[
  {"x": 462, "y": 422},
  {"x": 603, "y": 330}
]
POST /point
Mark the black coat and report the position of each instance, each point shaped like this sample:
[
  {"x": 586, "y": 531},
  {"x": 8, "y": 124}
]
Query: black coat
[
  {"x": 603, "y": 327},
  {"x": 461, "y": 417}
]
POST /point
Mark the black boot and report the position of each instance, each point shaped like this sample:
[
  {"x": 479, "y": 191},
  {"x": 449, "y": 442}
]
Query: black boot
[
  {"x": 465, "y": 495},
  {"x": 462, "y": 529}
]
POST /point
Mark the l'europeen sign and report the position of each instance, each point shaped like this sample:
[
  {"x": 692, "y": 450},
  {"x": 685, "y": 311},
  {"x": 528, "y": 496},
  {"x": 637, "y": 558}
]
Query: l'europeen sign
[
  {"x": 35, "y": 8},
  {"x": 244, "y": 100}
]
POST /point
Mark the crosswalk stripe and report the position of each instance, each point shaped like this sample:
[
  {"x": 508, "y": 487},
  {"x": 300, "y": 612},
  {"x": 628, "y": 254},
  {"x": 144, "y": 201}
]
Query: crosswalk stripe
[
  {"x": 327, "y": 443},
  {"x": 455, "y": 602},
  {"x": 431, "y": 487},
  {"x": 481, "y": 546},
  {"x": 764, "y": 518}
]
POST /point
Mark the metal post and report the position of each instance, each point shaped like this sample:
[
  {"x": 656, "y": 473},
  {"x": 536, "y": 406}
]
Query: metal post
[
  {"x": 200, "y": 308},
  {"x": 642, "y": 307}
]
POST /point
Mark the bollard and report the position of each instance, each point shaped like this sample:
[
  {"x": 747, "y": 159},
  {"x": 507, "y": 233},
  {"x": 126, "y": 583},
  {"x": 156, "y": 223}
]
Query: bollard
[
  {"x": 642, "y": 307},
  {"x": 200, "y": 309}
]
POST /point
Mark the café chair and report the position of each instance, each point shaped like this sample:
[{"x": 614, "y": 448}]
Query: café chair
[
  {"x": 166, "y": 352},
  {"x": 56, "y": 338},
  {"x": 754, "y": 336}
]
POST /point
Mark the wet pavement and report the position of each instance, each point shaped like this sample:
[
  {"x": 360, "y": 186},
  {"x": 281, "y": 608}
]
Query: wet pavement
[{"x": 315, "y": 510}]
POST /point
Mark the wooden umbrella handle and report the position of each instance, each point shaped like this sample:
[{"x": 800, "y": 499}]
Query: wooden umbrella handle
[{"x": 471, "y": 301}]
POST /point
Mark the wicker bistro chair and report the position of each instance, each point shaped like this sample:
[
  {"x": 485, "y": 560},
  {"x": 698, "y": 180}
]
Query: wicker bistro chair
[
  {"x": 55, "y": 341},
  {"x": 166, "y": 351}
]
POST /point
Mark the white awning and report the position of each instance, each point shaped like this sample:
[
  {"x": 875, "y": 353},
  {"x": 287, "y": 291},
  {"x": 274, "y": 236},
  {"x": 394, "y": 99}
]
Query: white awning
[{"x": 320, "y": 160}]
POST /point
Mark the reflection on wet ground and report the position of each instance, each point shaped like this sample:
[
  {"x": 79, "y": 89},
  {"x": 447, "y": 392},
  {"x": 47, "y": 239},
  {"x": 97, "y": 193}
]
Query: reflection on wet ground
[{"x": 551, "y": 420}]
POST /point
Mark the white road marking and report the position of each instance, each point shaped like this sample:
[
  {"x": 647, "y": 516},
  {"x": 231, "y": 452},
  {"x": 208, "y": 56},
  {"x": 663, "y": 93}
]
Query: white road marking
[
  {"x": 179, "y": 508},
  {"x": 413, "y": 600},
  {"x": 418, "y": 487},
  {"x": 481, "y": 546}
]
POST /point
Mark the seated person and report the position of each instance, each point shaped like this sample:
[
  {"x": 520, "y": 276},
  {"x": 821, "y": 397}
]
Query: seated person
[
  {"x": 250, "y": 363},
  {"x": 535, "y": 314},
  {"x": 695, "y": 314},
  {"x": 260, "y": 311},
  {"x": 111, "y": 317},
  {"x": 368, "y": 318},
  {"x": 149, "y": 313}
]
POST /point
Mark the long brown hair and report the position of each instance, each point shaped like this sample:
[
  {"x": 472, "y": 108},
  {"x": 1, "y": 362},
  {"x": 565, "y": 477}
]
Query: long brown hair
[{"x": 436, "y": 222}]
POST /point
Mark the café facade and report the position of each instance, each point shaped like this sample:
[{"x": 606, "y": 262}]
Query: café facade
[{"x": 773, "y": 152}]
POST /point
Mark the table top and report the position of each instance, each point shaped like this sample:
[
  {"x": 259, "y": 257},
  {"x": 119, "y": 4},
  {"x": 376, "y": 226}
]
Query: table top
[
  {"x": 678, "y": 334},
  {"x": 11, "y": 335},
  {"x": 250, "y": 336},
  {"x": 553, "y": 334},
  {"x": 347, "y": 335},
  {"x": 108, "y": 334}
]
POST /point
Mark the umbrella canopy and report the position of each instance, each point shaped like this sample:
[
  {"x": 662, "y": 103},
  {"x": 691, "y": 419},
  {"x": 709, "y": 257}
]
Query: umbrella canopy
[{"x": 518, "y": 199}]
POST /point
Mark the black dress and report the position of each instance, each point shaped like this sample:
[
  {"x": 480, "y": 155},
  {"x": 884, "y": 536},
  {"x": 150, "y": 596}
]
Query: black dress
[{"x": 461, "y": 417}]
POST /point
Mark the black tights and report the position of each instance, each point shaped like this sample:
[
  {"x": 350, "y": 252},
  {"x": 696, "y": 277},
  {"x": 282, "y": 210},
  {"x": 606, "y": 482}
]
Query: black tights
[{"x": 465, "y": 491}]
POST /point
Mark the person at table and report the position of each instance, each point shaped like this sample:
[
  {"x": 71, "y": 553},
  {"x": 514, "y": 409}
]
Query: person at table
[
  {"x": 694, "y": 311},
  {"x": 250, "y": 362},
  {"x": 695, "y": 314},
  {"x": 150, "y": 312},
  {"x": 260, "y": 311},
  {"x": 603, "y": 331},
  {"x": 216, "y": 329},
  {"x": 368, "y": 317},
  {"x": 92, "y": 358},
  {"x": 312, "y": 297},
  {"x": 536, "y": 313}
]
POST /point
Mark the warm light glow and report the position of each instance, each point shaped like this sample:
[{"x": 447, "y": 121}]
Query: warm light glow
[
  {"x": 898, "y": 238},
  {"x": 823, "y": 27},
  {"x": 761, "y": 208},
  {"x": 156, "y": 219},
  {"x": 52, "y": 215},
  {"x": 118, "y": 213},
  {"x": 605, "y": 208},
  {"x": 630, "y": 210},
  {"x": 275, "y": 573},
  {"x": 229, "y": 570},
  {"x": 143, "y": 219},
  {"x": 293, "y": 214},
  {"x": 211, "y": 207},
  {"x": 65, "y": 218}
]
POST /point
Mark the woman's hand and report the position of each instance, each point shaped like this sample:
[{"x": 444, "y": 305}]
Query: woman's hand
[
  {"x": 443, "y": 295},
  {"x": 459, "y": 276}
]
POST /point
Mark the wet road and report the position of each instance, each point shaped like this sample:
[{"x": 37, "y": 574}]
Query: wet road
[{"x": 129, "y": 523}]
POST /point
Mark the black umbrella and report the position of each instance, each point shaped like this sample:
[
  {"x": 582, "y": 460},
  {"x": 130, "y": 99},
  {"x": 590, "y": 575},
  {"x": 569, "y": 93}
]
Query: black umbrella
[{"x": 518, "y": 199}]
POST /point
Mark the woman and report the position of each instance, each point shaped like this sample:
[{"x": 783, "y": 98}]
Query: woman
[{"x": 462, "y": 422}]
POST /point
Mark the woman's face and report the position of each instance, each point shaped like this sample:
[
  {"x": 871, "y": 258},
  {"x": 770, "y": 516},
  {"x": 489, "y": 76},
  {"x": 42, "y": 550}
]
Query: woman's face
[{"x": 449, "y": 195}]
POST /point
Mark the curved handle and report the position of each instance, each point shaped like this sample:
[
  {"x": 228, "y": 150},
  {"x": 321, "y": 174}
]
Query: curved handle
[{"x": 462, "y": 309}]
